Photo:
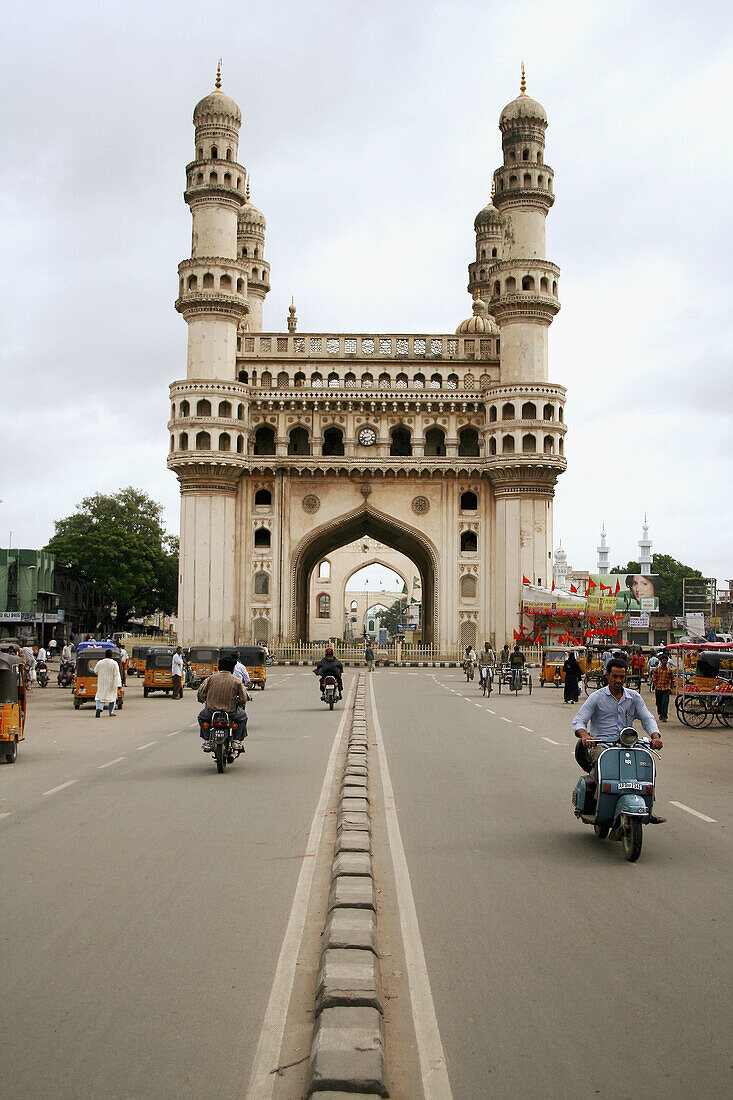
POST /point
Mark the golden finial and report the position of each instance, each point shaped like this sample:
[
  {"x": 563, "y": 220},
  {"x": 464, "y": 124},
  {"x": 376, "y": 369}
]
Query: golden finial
[
  {"x": 523, "y": 83},
  {"x": 218, "y": 76},
  {"x": 246, "y": 189},
  {"x": 493, "y": 188}
]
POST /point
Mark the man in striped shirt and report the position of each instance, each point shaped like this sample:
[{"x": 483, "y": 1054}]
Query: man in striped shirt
[{"x": 222, "y": 691}]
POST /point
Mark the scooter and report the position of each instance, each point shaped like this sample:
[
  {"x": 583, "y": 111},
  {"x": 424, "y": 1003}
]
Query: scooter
[
  {"x": 329, "y": 690},
  {"x": 42, "y": 673},
  {"x": 622, "y": 802},
  {"x": 221, "y": 735},
  {"x": 66, "y": 674}
]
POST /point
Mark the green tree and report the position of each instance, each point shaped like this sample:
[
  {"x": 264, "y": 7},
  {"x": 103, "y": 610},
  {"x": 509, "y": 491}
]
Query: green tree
[
  {"x": 119, "y": 544},
  {"x": 671, "y": 575},
  {"x": 391, "y": 617}
]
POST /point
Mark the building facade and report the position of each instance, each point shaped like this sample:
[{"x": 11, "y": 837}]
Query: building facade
[{"x": 289, "y": 445}]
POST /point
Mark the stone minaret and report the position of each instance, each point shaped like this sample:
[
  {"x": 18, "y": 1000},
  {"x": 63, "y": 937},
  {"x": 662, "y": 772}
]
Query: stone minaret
[
  {"x": 212, "y": 300},
  {"x": 251, "y": 251},
  {"x": 604, "y": 553},
  {"x": 524, "y": 285},
  {"x": 645, "y": 549},
  {"x": 489, "y": 249}
]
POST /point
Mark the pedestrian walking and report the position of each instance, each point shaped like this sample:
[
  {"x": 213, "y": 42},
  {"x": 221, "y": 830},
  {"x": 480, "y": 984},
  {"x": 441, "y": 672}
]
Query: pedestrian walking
[
  {"x": 109, "y": 679},
  {"x": 177, "y": 673},
  {"x": 573, "y": 674},
  {"x": 124, "y": 661},
  {"x": 663, "y": 679},
  {"x": 369, "y": 658}
]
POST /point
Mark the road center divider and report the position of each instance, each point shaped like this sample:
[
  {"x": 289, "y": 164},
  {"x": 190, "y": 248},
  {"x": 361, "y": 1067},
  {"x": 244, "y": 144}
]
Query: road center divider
[{"x": 347, "y": 1047}]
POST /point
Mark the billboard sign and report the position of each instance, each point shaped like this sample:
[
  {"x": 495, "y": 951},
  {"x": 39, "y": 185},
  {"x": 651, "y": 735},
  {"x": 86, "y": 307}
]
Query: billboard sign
[{"x": 622, "y": 593}]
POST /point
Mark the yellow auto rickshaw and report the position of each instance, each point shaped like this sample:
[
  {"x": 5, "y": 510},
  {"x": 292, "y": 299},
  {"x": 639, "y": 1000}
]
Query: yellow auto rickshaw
[
  {"x": 203, "y": 660},
  {"x": 552, "y": 664},
  {"x": 12, "y": 705},
  {"x": 158, "y": 675},
  {"x": 136, "y": 663},
  {"x": 84, "y": 686},
  {"x": 253, "y": 659}
]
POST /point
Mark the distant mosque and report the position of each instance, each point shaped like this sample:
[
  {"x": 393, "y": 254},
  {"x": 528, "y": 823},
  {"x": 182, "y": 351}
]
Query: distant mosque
[{"x": 564, "y": 575}]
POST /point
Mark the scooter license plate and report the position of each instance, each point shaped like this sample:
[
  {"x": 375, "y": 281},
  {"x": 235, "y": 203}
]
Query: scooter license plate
[{"x": 631, "y": 786}]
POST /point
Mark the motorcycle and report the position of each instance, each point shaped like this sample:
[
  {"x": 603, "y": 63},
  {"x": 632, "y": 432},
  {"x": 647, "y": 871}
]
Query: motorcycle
[
  {"x": 269, "y": 660},
  {"x": 622, "y": 802},
  {"x": 221, "y": 731},
  {"x": 65, "y": 674},
  {"x": 42, "y": 673},
  {"x": 329, "y": 689},
  {"x": 469, "y": 668}
]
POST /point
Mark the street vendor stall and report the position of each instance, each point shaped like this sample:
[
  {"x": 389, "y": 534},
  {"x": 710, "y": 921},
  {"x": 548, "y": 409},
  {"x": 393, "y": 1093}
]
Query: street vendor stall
[{"x": 705, "y": 692}]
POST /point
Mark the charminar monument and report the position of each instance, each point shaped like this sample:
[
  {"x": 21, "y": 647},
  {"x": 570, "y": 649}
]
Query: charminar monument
[{"x": 289, "y": 445}]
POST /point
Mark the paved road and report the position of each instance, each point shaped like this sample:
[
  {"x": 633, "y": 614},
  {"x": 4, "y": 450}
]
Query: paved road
[
  {"x": 146, "y": 899},
  {"x": 557, "y": 968}
]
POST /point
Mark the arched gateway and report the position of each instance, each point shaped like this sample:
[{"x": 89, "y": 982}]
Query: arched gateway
[{"x": 288, "y": 445}]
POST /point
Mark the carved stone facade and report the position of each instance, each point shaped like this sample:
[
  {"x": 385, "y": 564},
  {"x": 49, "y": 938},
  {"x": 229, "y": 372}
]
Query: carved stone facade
[{"x": 290, "y": 445}]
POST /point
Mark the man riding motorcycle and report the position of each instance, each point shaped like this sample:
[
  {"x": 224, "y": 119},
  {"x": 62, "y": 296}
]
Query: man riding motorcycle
[
  {"x": 329, "y": 665},
  {"x": 608, "y": 711},
  {"x": 222, "y": 691}
]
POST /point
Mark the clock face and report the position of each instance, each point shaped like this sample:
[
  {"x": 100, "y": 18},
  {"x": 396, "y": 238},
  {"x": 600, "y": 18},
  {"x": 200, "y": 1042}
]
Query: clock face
[{"x": 367, "y": 436}]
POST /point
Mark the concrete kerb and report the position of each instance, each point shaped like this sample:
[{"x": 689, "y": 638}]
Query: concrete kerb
[{"x": 347, "y": 1048}]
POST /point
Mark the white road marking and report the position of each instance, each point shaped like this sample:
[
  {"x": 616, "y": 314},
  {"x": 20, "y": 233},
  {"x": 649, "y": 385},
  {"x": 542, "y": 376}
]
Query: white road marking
[
  {"x": 60, "y": 787},
  {"x": 109, "y": 763},
  {"x": 4, "y": 815},
  {"x": 508, "y": 720},
  {"x": 489, "y": 711},
  {"x": 146, "y": 746},
  {"x": 174, "y": 733},
  {"x": 530, "y": 731},
  {"x": 546, "y": 738},
  {"x": 262, "y": 1079},
  {"x": 436, "y": 1085},
  {"x": 689, "y": 810}
]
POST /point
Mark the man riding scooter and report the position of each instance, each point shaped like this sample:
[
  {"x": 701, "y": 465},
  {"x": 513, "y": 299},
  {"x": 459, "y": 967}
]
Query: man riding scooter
[
  {"x": 222, "y": 691},
  {"x": 608, "y": 711},
  {"x": 329, "y": 665}
]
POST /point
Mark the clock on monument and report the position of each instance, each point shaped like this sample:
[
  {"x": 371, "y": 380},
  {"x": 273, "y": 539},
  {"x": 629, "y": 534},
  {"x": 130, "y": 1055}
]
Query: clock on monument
[{"x": 367, "y": 436}]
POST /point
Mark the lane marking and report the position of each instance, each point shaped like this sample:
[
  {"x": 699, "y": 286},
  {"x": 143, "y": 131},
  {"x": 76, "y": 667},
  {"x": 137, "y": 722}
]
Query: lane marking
[
  {"x": 507, "y": 720},
  {"x": 433, "y": 1068},
  {"x": 4, "y": 815},
  {"x": 174, "y": 733},
  {"x": 147, "y": 746},
  {"x": 531, "y": 731},
  {"x": 109, "y": 763},
  {"x": 266, "y": 1059},
  {"x": 695, "y": 813},
  {"x": 60, "y": 787},
  {"x": 546, "y": 738},
  {"x": 489, "y": 711}
]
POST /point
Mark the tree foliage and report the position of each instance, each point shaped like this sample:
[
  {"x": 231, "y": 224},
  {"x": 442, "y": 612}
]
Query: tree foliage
[
  {"x": 390, "y": 617},
  {"x": 118, "y": 543},
  {"x": 671, "y": 575}
]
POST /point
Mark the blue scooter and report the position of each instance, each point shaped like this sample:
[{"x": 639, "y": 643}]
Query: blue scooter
[{"x": 622, "y": 803}]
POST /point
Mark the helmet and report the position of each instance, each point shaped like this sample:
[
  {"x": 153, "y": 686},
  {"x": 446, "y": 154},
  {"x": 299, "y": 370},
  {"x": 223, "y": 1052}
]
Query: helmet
[{"x": 329, "y": 651}]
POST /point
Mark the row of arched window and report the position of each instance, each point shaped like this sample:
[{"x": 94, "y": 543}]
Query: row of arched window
[
  {"x": 202, "y": 442},
  {"x": 400, "y": 442},
  {"x": 367, "y": 381},
  {"x": 213, "y": 178},
  {"x": 528, "y": 282},
  {"x": 529, "y": 412},
  {"x": 203, "y": 408},
  {"x": 529, "y": 445},
  {"x": 526, "y": 155},
  {"x": 544, "y": 182},
  {"x": 214, "y": 153},
  {"x": 225, "y": 283}
]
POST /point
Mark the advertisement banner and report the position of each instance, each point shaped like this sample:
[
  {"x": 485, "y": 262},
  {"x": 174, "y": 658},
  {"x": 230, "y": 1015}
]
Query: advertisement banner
[{"x": 623, "y": 593}]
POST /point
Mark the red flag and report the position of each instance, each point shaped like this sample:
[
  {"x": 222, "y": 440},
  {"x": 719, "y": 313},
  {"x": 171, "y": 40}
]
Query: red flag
[
  {"x": 573, "y": 589},
  {"x": 618, "y": 588},
  {"x": 525, "y": 580},
  {"x": 591, "y": 584},
  {"x": 516, "y": 636},
  {"x": 553, "y": 587}
]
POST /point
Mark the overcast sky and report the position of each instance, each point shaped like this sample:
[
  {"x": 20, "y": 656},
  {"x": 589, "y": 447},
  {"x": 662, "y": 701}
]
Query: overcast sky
[{"x": 371, "y": 135}]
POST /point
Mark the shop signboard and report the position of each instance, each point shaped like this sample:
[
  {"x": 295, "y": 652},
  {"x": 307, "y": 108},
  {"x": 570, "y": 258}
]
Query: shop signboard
[
  {"x": 10, "y": 616},
  {"x": 639, "y": 622},
  {"x": 621, "y": 593}
]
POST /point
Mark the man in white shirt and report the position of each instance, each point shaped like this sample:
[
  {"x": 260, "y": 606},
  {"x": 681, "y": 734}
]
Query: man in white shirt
[
  {"x": 177, "y": 673},
  {"x": 240, "y": 672},
  {"x": 42, "y": 655}
]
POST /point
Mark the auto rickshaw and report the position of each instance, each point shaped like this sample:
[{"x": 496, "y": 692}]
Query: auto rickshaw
[
  {"x": 253, "y": 659},
  {"x": 12, "y": 705},
  {"x": 136, "y": 663},
  {"x": 84, "y": 686},
  {"x": 203, "y": 660},
  {"x": 553, "y": 661},
  {"x": 158, "y": 675}
]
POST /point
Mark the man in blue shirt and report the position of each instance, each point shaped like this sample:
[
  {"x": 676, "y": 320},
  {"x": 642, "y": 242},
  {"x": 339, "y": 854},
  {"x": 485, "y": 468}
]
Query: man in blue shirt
[{"x": 610, "y": 710}]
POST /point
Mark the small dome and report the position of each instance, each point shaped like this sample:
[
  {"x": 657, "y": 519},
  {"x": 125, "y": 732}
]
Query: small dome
[
  {"x": 482, "y": 323},
  {"x": 217, "y": 109},
  {"x": 250, "y": 215},
  {"x": 489, "y": 215},
  {"x": 523, "y": 107}
]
